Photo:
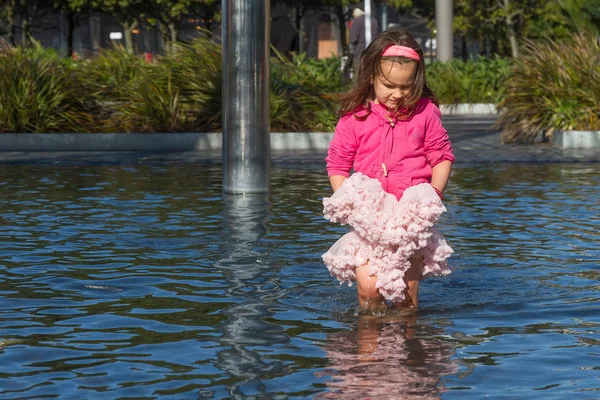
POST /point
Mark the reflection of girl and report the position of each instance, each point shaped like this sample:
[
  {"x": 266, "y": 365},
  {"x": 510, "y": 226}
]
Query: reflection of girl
[
  {"x": 386, "y": 359},
  {"x": 391, "y": 134}
]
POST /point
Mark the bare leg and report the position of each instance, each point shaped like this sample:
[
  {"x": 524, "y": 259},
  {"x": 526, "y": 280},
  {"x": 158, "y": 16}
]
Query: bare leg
[
  {"x": 412, "y": 277},
  {"x": 368, "y": 295},
  {"x": 369, "y": 329}
]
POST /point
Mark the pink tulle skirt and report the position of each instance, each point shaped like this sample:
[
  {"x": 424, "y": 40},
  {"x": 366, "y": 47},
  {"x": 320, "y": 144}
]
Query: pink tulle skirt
[{"x": 385, "y": 232}]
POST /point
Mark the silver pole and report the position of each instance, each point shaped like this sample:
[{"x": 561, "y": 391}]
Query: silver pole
[
  {"x": 384, "y": 17},
  {"x": 367, "y": 22},
  {"x": 443, "y": 24},
  {"x": 246, "y": 124}
]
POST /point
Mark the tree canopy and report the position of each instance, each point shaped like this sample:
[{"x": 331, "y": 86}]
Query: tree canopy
[{"x": 501, "y": 23}]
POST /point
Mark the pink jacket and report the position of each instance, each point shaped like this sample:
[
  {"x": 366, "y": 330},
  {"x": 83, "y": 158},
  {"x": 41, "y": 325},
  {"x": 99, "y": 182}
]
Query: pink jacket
[{"x": 399, "y": 154}]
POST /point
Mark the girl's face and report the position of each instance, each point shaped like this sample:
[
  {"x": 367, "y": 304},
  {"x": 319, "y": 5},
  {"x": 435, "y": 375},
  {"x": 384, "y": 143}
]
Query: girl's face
[{"x": 394, "y": 82}]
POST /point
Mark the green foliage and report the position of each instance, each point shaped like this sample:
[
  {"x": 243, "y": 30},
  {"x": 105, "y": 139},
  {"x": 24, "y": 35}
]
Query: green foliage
[
  {"x": 181, "y": 91},
  {"x": 552, "y": 86},
  {"x": 39, "y": 93},
  {"x": 303, "y": 93},
  {"x": 105, "y": 75},
  {"x": 592, "y": 9},
  {"x": 154, "y": 103},
  {"x": 178, "y": 93},
  {"x": 323, "y": 75},
  {"x": 481, "y": 81},
  {"x": 555, "y": 85}
]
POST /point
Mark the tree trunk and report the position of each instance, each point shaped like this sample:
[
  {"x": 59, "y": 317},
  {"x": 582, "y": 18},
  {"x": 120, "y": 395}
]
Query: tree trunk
[
  {"x": 512, "y": 36},
  {"x": 10, "y": 14},
  {"x": 70, "y": 33},
  {"x": 300, "y": 27},
  {"x": 25, "y": 32},
  {"x": 339, "y": 11},
  {"x": 495, "y": 47},
  {"x": 128, "y": 30},
  {"x": 166, "y": 42},
  {"x": 174, "y": 32},
  {"x": 482, "y": 40},
  {"x": 169, "y": 36}
]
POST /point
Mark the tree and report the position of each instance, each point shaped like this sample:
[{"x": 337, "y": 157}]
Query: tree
[
  {"x": 592, "y": 9},
  {"x": 74, "y": 11},
  {"x": 166, "y": 16},
  {"x": 129, "y": 13},
  {"x": 582, "y": 15},
  {"x": 28, "y": 11},
  {"x": 8, "y": 13}
]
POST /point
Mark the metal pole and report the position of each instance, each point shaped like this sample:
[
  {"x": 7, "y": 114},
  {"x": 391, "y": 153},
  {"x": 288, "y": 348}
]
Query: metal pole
[
  {"x": 367, "y": 22},
  {"x": 443, "y": 24},
  {"x": 384, "y": 17},
  {"x": 246, "y": 124}
]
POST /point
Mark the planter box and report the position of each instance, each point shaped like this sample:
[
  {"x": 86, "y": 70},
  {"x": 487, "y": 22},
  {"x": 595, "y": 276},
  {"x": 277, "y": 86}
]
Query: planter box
[
  {"x": 150, "y": 142},
  {"x": 469, "y": 109},
  {"x": 109, "y": 141},
  {"x": 576, "y": 139}
]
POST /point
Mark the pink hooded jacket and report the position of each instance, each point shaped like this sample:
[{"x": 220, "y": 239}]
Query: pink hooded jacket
[{"x": 399, "y": 154}]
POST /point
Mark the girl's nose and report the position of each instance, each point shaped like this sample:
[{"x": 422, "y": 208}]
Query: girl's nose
[{"x": 397, "y": 95}]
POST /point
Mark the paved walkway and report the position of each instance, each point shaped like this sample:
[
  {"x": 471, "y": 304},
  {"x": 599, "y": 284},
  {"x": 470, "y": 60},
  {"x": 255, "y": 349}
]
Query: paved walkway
[{"x": 474, "y": 139}]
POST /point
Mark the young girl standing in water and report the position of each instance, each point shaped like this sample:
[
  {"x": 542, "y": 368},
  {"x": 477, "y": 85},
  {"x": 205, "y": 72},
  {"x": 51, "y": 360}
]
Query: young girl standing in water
[{"x": 391, "y": 135}]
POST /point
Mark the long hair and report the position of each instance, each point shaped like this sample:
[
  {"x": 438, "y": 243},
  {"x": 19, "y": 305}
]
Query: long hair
[{"x": 370, "y": 67}]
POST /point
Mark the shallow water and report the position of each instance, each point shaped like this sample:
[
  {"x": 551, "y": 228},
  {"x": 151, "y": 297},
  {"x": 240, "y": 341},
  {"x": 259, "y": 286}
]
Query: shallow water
[{"x": 143, "y": 281}]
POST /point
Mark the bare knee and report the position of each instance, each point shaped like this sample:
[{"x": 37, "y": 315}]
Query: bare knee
[
  {"x": 367, "y": 287},
  {"x": 368, "y": 290}
]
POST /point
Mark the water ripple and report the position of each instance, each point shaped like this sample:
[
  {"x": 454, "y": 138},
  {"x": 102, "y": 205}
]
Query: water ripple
[{"x": 145, "y": 281}]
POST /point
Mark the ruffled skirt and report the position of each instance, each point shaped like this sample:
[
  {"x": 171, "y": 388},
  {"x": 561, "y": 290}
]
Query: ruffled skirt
[{"x": 385, "y": 232}]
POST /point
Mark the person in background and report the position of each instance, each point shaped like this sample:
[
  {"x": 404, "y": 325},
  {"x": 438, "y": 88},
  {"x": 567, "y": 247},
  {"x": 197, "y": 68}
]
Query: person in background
[{"x": 357, "y": 31}]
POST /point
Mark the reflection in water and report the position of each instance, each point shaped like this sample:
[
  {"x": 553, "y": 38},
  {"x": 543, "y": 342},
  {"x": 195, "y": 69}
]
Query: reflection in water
[
  {"x": 248, "y": 273},
  {"x": 387, "y": 357}
]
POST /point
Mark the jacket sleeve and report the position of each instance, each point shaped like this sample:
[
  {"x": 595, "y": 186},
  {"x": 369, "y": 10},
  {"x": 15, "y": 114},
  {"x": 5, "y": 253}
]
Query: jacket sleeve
[
  {"x": 342, "y": 149},
  {"x": 437, "y": 143}
]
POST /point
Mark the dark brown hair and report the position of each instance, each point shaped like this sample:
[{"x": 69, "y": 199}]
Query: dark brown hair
[{"x": 370, "y": 67}]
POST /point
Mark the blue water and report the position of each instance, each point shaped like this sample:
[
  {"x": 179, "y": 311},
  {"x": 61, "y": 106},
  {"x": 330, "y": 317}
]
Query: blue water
[{"x": 143, "y": 281}]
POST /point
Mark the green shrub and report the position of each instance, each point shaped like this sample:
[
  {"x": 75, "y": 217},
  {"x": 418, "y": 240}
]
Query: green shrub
[
  {"x": 480, "y": 81},
  {"x": 303, "y": 93},
  {"x": 197, "y": 74},
  {"x": 105, "y": 75},
  {"x": 181, "y": 91},
  {"x": 177, "y": 93},
  {"x": 322, "y": 75},
  {"x": 554, "y": 86},
  {"x": 40, "y": 93}
]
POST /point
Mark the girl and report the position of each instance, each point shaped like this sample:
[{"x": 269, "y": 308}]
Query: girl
[{"x": 391, "y": 134}]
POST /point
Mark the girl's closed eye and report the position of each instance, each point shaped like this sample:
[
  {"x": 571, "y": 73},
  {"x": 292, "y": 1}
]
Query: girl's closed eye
[{"x": 401, "y": 87}]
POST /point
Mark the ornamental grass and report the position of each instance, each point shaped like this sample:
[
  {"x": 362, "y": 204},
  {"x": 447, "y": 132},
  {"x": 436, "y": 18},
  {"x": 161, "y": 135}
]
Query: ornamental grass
[
  {"x": 473, "y": 81},
  {"x": 555, "y": 85},
  {"x": 39, "y": 93}
]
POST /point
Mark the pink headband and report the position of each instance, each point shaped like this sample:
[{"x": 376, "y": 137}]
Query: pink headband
[{"x": 401, "y": 51}]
